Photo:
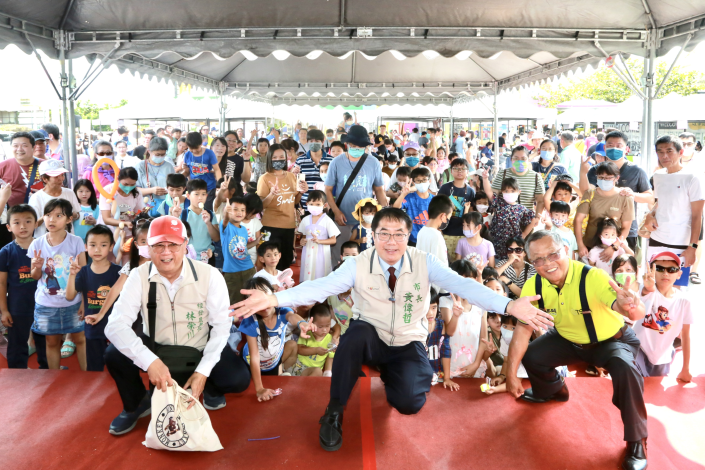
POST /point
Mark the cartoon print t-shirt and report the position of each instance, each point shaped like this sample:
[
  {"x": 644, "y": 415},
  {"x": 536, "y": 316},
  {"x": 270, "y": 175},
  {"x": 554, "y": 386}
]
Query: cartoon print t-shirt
[
  {"x": 233, "y": 240},
  {"x": 94, "y": 288},
  {"x": 663, "y": 322},
  {"x": 270, "y": 358},
  {"x": 51, "y": 288}
]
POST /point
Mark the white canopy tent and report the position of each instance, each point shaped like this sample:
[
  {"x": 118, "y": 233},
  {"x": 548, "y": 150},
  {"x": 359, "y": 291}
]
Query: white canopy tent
[{"x": 231, "y": 46}]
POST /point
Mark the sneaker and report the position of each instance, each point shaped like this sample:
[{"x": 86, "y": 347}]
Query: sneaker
[
  {"x": 125, "y": 422},
  {"x": 213, "y": 402}
]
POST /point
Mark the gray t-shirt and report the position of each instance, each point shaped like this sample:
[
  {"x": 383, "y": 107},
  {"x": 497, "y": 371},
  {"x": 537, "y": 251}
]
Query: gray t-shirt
[{"x": 369, "y": 176}]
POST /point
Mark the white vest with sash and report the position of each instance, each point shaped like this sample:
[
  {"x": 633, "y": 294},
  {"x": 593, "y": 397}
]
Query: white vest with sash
[{"x": 183, "y": 322}]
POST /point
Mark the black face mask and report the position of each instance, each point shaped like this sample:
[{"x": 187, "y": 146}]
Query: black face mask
[
  {"x": 444, "y": 225},
  {"x": 279, "y": 164}
]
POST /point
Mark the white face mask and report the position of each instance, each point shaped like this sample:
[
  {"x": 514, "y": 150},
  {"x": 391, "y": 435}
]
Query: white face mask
[
  {"x": 401, "y": 183},
  {"x": 422, "y": 187},
  {"x": 688, "y": 151},
  {"x": 510, "y": 197},
  {"x": 608, "y": 241},
  {"x": 368, "y": 218},
  {"x": 315, "y": 210},
  {"x": 507, "y": 335},
  {"x": 482, "y": 208},
  {"x": 391, "y": 166},
  {"x": 323, "y": 176}
]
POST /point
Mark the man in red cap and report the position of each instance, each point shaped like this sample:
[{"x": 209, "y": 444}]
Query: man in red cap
[{"x": 189, "y": 296}]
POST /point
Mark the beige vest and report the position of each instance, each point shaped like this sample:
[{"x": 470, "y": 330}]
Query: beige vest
[
  {"x": 399, "y": 316},
  {"x": 183, "y": 322}
]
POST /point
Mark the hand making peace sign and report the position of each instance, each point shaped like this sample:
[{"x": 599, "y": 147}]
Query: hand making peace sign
[
  {"x": 37, "y": 260},
  {"x": 627, "y": 300},
  {"x": 74, "y": 267},
  {"x": 649, "y": 278}
]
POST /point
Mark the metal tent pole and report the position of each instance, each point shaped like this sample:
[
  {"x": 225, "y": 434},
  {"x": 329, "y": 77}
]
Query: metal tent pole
[
  {"x": 223, "y": 107},
  {"x": 495, "y": 127},
  {"x": 72, "y": 127},
  {"x": 645, "y": 113},
  {"x": 650, "y": 114},
  {"x": 66, "y": 141}
]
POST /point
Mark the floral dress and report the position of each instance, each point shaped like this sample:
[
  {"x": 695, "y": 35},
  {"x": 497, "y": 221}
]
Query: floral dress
[{"x": 507, "y": 223}]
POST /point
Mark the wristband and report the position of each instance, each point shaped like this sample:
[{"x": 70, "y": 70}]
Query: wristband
[{"x": 299, "y": 323}]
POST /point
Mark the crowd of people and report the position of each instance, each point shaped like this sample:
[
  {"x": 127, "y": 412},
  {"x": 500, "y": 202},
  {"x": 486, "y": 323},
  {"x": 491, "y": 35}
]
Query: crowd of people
[{"x": 246, "y": 204}]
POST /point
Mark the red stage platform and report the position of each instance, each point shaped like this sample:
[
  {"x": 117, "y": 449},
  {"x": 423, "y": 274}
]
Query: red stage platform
[{"x": 60, "y": 419}]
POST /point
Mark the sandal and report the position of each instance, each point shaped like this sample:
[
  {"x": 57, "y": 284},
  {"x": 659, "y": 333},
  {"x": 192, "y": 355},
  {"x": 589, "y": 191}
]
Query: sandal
[
  {"x": 67, "y": 349},
  {"x": 592, "y": 370},
  {"x": 694, "y": 278}
]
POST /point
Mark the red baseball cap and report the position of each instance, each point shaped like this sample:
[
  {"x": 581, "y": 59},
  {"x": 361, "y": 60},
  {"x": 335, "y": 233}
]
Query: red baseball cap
[
  {"x": 166, "y": 229},
  {"x": 666, "y": 256}
]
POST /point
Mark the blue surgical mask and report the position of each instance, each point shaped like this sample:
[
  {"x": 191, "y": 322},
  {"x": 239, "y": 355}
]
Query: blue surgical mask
[
  {"x": 158, "y": 160},
  {"x": 614, "y": 153},
  {"x": 605, "y": 185},
  {"x": 356, "y": 153},
  {"x": 126, "y": 189},
  {"x": 547, "y": 154},
  {"x": 396, "y": 141},
  {"x": 412, "y": 161}
]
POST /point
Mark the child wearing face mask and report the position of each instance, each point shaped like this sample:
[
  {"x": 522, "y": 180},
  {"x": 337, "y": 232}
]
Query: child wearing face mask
[
  {"x": 482, "y": 205},
  {"x": 475, "y": 246},
  {"x": 415, "y": 200},
  {"x": 510, "y": 219},
  {"x": 320, "y": 233},
  {"x": 560, "y": 212},
  {"x": 403, "y": 180},
  {"x": 365, "y": 211},
  {"x": 607, "y": 231}
]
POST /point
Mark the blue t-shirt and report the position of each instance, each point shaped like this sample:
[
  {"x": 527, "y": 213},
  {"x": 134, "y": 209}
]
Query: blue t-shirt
[
  {"x": 200, "y": 238},
  {"x": 233, "y": 239},
  {"x": 80, "y": 227},
  {"x": 20, "y": 285},
  {"x": 270, "y": 358},
  {"x": 202, "y": 167},
  {"x": 416, "y": 208},
  {"x": 95, "y": 289},
  {"x": 370, "y": 176}
]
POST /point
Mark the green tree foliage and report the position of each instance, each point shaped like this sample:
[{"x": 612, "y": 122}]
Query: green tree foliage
[
  {"x": 89, "y": 110},
  {"x": 604, "y": 84}
]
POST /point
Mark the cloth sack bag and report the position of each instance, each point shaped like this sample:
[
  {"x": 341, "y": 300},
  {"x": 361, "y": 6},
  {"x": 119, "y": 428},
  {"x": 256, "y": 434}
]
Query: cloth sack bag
[{"x": 173, "y": 427}]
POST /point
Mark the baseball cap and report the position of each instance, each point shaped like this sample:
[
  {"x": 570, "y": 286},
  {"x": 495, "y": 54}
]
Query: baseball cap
[
  {"x": 600, "y": 148},
  {"x": 52, "y": 167},
  {"x": 412, "y": 145},
  {"x": 40, "y": 134},
  {"x": 666, "y": 256},
  {"x": 166, "y": 229}
]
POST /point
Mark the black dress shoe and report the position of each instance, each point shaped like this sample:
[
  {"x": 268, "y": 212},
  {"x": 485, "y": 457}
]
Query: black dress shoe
[
  {"x": 331, "y": 433},
  {"x": 560, "y": 395},
  {"x": 636, "y": 456}
]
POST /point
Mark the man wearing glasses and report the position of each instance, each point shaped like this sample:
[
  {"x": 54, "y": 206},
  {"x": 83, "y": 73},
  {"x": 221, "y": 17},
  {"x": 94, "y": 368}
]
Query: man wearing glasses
[
  {"x": 391, "y": 286},
  {"x": 591, "y": 329},
  {"x": 191, "y": 311}
]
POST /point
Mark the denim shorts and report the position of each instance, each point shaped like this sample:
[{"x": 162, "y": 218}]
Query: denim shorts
[{"x": 57, "y": 321}]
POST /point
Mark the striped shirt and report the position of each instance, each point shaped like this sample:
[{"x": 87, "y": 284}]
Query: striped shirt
[
  {"x": 312, "y": 172},
  {"x": 530, "y": 185},
  {"x": 522, "y": 276}
]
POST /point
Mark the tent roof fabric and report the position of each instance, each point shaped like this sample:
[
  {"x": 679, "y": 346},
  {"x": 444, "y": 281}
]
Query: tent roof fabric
[{"x": 230, "y": 45}]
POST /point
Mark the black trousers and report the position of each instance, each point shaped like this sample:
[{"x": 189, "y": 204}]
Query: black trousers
[
  {"x": 405, "y": 370},
  {"x": 285, "y": 238},
  {"x": 552, "y": 350},
  {"x": 17, "y": 348},
  {"x": 95, "y": 354},
  {"x": 230, "y": 375}
]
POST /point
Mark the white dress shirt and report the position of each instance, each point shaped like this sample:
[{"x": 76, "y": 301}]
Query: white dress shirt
[{"x": 129, "y": 305}]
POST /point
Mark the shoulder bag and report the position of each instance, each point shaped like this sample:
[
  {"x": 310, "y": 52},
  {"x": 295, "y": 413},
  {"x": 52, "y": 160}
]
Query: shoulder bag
[{"x": 353, "y": 175}]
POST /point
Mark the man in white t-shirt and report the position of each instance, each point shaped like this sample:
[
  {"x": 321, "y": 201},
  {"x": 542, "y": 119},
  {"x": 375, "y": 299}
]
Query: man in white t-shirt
[
  {"x": 668, "y": 314},
  {"x": 676, "y": 219},
  {"x": 695, "y": 163},
  {"x": 430, "y": 240}
]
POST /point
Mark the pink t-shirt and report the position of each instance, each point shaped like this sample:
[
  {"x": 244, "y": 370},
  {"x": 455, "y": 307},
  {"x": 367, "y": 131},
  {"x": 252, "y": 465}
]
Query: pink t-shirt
[
  {"x": 128, "y": 206},
  {"x": 472, "y": 253}
]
